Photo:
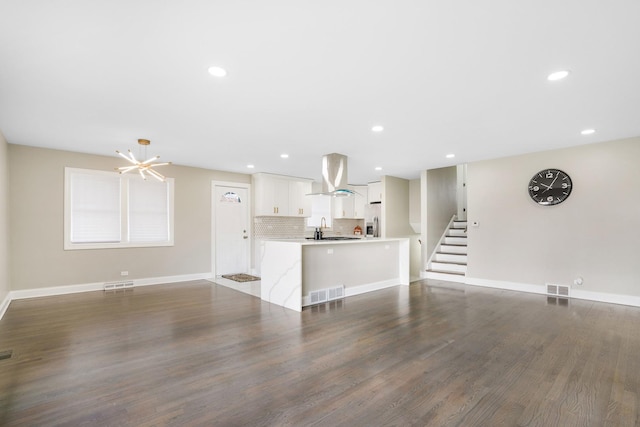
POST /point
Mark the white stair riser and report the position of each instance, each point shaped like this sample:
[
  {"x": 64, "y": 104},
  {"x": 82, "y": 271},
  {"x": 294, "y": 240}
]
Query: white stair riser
[
  {"x": 441, "y": 266},
  {"x": 453, "y": 249},
  {"x": 444, "y": 276},
  {"x": 456, "y": 232},
  {"x": 455, "y": 240},
  {"x": 461, "y": 259},
  {"x": 460, "y": 224}
]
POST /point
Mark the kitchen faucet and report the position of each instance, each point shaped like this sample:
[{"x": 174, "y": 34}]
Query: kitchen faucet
[{"x": 323, "y": 220}]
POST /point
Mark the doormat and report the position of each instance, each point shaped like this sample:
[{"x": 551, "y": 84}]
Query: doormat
[{"x": 241, "y": 277}]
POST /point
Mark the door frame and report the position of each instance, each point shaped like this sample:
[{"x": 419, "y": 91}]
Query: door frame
[{"x": 246, "y": 186}]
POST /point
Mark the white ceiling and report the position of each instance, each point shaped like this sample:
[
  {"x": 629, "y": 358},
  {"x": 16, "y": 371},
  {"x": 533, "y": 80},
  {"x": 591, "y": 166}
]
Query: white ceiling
[{"x": 312, "y": 77}]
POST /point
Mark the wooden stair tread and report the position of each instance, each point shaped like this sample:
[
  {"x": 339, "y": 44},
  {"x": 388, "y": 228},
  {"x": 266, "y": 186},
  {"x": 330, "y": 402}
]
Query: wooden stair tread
[{"x": 449, "y": 262}]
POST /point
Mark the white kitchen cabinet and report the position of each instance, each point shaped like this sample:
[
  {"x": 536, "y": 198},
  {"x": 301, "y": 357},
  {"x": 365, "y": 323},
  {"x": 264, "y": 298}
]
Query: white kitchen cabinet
[
  {"x": 359, "y": 200},
  {"x": 375, "y": 192},
  {"x": 271, "y": 195},
  {"x": 299, "y": 202},
  {"x": 352, "y": 206},
  {"x": 279, "y": 195}
]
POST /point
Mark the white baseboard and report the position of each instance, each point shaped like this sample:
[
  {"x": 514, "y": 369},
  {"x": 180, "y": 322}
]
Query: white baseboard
[
  {"x": 370, "y": 287},
  {"x": 604, "y": 297},
  {"x": 5, "y": 304},
  {"x": 98, "y": 286},
  {"x": 510, "y": 286},
  {"x": 361, "y": 289},
  {"x": 630, "y": 300}
]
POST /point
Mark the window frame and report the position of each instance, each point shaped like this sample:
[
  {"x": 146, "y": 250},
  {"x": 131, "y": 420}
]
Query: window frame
[{"x": 124, "y": 213}]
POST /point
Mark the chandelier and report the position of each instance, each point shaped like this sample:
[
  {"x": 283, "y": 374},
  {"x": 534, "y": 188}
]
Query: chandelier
[{"x": 145, "y": 167}]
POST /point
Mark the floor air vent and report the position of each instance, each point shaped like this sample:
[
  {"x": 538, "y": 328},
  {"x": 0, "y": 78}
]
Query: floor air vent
[
  {"x": 112, "y": 286},
  {"x": 324, "y": 295},
  {"x": 558, "y": 290}
]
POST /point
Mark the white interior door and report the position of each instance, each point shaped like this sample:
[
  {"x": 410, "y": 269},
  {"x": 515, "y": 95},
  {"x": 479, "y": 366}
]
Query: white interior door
[{"x": 231, "y": 228}]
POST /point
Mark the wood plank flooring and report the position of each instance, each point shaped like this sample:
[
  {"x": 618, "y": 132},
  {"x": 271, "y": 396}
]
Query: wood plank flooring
[{"x": 432, "y": 354}]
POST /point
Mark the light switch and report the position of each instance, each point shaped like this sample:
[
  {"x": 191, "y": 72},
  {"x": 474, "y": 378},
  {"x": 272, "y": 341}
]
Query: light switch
[{"x": 330, "y": 251}]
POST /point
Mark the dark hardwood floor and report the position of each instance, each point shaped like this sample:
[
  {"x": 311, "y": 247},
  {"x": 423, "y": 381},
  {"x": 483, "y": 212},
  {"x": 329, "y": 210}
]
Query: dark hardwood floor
[{"x": 433, "y": 354}]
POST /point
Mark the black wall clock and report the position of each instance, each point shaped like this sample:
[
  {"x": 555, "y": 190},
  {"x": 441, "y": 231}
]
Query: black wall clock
[{"x": 550, "y": 187}]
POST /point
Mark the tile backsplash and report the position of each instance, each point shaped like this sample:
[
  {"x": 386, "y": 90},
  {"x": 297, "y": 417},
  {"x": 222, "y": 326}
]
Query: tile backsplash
[
  {"x": 281, "y": 227},
  {"x": 278, "y": 227}
]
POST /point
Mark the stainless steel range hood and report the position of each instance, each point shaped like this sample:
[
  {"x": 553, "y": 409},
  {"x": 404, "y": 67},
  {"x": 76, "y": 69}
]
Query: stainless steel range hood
[{"x": 334, "y": 176}]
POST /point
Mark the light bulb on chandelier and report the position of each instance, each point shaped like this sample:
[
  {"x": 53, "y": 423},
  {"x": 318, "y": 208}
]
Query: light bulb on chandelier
[{"x": 142, "y": 167}]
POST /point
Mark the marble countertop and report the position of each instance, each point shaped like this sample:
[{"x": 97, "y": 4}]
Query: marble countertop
[{"x": 303, "y": 241}]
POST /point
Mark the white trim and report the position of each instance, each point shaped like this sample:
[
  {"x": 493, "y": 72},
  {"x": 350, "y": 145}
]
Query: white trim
[
  {"x": 370, "y": 287},
  {"x": 511, "y": 286},
  {"x": 99, "y": 286},
  {"x": 604, "y": 297},
  {"x": 68, "y": 245},
  {"x": 631, "y": 300},
  {"x": 360, "y": 289},
  {"x": 5, "y": 305}
]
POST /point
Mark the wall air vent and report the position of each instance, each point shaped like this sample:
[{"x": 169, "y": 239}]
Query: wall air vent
[
  {"x": 324, "y": 295},
  {"x": 113, "y": 286},
  {"x": 558, "y": 290}
]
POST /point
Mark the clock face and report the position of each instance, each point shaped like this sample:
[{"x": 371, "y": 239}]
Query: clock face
[{"x": 550, "y": 187}]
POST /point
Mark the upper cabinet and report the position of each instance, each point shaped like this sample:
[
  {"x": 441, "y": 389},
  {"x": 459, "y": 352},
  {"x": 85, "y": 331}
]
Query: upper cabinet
[
  {"x": 360, "y": 200},
  {"x": 353, "y": 206},
  {"x": 375, "y": 192},
  {"x": 279, "y": 195},
  {"x": 299, "y": 202}
]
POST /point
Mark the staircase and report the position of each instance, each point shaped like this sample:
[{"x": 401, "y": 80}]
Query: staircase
[{"x": 449, "y": 262}]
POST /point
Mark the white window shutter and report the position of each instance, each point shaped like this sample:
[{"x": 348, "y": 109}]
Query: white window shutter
[
  {"x": 95, "y": 208},
  {"x": 148, "y": 211}
]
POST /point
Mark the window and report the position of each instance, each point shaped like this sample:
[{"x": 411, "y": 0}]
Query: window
[
  {"x": 320, "y": 208},
  {"x": 109, "y": 210}
]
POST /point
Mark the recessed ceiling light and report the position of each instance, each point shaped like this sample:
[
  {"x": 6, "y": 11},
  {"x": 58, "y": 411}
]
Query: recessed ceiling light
[
  {"x": 217, "y": 71},
  {"x": 558, "y": 75},
  {"x": 377, "y": 128},
  {"x": 284, "y": 155},
  {"x": 450, "y": 156},
  {"x": 378, "y": 168},
  {"x": 250, "y": 166},
  {"x": 588, "y": 131}
]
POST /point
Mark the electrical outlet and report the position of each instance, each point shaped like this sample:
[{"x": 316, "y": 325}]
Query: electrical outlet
[{"x": 124, "y": 273}]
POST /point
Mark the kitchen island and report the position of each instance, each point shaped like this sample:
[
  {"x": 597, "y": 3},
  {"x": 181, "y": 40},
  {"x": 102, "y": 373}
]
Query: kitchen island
[{"x": 295, "y": 270}]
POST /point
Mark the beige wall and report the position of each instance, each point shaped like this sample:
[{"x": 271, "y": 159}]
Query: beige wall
[
  {"x": 395, "y": 218},
  {"x": 441, "y": 203},
  {"x": 36, "y": 223},
  {"x": 4, "y": 222},
  {"x": 593, "y": 234}
]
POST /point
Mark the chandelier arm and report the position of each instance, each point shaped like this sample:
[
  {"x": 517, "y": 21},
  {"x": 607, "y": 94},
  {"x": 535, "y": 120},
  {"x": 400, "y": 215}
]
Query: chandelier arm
[
  {"x": 150, "y": 160},
  {"x": 125, "y": 169},
  {"x": 142, "y": 174},
  {"x": 160, "y": 164},
  {"x": 127, "y": 158},
  {"x": 156, "y": 175},
  {"x": 133, "y": 158}
]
